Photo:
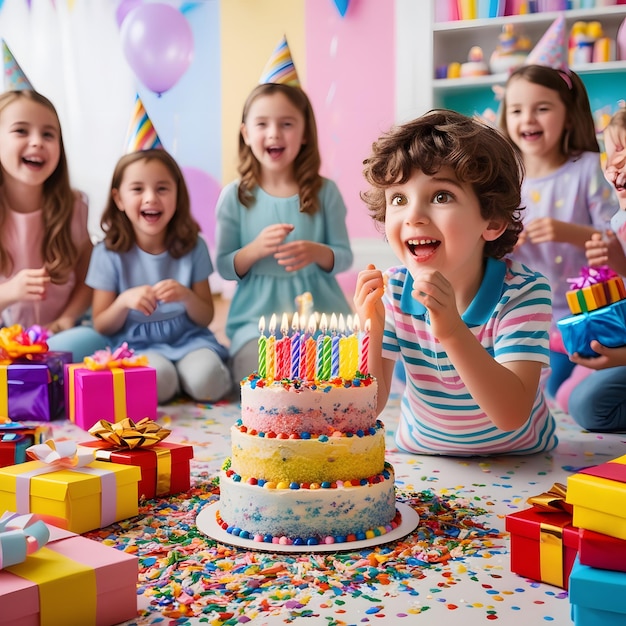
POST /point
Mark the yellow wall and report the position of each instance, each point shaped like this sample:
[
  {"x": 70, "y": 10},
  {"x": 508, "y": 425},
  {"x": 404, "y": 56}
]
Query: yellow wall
[{"x": 250, "y": 30}]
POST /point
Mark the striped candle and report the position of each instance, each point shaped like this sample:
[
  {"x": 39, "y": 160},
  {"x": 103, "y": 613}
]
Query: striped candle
[
  {"x": 295, "y": 346},
  {"x": 262, "y": 367}
]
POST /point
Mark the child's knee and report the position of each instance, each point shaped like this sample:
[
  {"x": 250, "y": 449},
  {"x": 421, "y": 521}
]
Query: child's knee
[{"x": 208, "y": 381}]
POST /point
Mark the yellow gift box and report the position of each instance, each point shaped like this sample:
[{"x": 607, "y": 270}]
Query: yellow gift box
[
  {"x": 598, "y": 495},
  {"x": 586, "y": 299},
  {"x": 89, "y": 497}
]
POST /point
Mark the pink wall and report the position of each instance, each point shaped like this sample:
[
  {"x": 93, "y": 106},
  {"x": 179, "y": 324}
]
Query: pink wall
[{"x": 350, "y": 79}]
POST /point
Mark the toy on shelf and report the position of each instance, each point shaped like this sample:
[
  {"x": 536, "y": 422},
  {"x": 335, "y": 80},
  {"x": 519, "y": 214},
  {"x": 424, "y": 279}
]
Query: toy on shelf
[
  {"x": 475, "y": 64},
  {"x": 511, "y": 51}
]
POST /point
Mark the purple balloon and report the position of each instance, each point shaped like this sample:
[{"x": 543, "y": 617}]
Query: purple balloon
[
  {"x": 124, "y": 8},
  {"x": 158, "y": 44},
  {"x": 204, "y": 191}
]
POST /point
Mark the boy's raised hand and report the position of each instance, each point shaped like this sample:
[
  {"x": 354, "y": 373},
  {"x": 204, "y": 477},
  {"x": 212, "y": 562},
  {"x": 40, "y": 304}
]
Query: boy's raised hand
[
  {"x": 368, "y": 294},
  {"x": 434, "y": 291}
]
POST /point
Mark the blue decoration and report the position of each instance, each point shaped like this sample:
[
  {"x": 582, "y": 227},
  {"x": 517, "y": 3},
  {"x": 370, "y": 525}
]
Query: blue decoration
[{"x": 342, "y": 6}]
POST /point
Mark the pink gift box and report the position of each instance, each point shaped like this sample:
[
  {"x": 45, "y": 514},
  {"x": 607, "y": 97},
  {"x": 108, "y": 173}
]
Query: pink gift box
[
  {"x": 72, "y": 581},
  {"x": 111, "y": 395}
]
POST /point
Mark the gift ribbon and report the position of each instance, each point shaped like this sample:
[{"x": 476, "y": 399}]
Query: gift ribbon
[
  {"x": 119, "y": 358},
  {"x": 553, "y": 500},
  {"x": 64, "y": 455},
  {"x": 20, "y": 535},
  {"x": 610, "y": 471},
  {"x": 591, "y": 276},
  {"x": 16, "y": 342},
  {"x": 128, "y": 435}
]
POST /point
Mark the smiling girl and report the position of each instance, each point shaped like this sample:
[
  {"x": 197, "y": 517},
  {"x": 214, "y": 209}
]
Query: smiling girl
[
  {"x": 470, "y": 327},
  {"x": 150, "y": 278},
  {"x": 44, "y": 242},
  {"x": 546, "y": 113}
]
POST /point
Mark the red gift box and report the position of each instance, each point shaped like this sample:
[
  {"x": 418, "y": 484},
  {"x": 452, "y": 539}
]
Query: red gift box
[
  {"x": 602, "y": 551},
  {"x": 13, "y": 448},
  {"x": 543, "y": 545},
  {"x": 164, "y": 466}
]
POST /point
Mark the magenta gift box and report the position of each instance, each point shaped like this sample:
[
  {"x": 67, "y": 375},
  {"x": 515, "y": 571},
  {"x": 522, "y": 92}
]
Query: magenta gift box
[
  {"x": 111, "y": 395},
  {"x": 32, "y": 386}
]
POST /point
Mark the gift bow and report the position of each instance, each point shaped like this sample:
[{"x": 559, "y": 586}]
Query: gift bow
[
  {"x": 120, "y": 357},
  {"x": 60, "y": 454},
  {"x": 128, "y": 434},
  {"x": 16, "y": 342},
  {"x": 553, "y": 500},
  {"x": 591, "y": 276},
  {"x": 20, "y": 535}
]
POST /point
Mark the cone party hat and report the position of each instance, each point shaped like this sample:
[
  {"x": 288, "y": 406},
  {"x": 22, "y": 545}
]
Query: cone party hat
[
  {"x": 14, "y": 77},
  {"x": 280, "y": 67},
  {"x": 141, "y": 133},
  {"x": 550, "y": 50}
]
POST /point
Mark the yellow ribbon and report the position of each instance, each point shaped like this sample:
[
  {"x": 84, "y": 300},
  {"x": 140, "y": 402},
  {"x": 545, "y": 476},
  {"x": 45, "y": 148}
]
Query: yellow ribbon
[
  {"x": 119, "y": 393},
  {"x": 14, "y": 343},
  {"x": 126, "y": 434},
  {"x": 164, "y": 471},
  {"x": 551, "y": 554}
]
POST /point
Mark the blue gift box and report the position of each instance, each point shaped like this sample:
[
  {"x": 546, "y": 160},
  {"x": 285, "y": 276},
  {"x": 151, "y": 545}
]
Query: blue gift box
[
  {"x": 607, "y": 325},
  {"x": 597, "y": 596}
]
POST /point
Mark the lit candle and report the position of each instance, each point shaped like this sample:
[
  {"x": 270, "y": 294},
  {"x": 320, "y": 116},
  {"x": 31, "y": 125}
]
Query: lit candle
[
  {"x": 295, "y": 346},
  {"x": 310, "y": 351},
  {"x": 271, "y": 350},
  {"x": 334, "y": 349},
  {"x": 343, "y": 349},
  {"x": 262, "y": 348},
  {"x": 283, "y": 350},
  {"x": 365, "y": 349},
  {"x": 353, "y": 350},
  {"x": 325, "y": 348}
]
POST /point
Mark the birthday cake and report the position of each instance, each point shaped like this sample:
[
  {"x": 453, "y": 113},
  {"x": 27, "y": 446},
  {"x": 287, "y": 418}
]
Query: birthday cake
[{"x": 308, "y": 460}]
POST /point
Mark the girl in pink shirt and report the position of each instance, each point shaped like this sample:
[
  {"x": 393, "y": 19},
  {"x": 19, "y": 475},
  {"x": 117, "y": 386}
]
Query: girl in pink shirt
[{"x": 44, "y": 243}]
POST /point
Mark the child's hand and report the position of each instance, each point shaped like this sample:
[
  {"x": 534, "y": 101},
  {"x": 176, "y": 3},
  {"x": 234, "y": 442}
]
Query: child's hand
[
  {"x": 142, "y": 299},
  {"x": 270, "y": 238},
  {"x": 61, "y": 323},
  {"x": 434, "y": 291},
  {"x": 609, "y": 357},
  {"x": 368, "y": 294},
  {"x": 295, "y": 255},
  {"x": 597, "y": 249},
  {"x": 27, "y": 284},
  {"x": 543, "y": 229},
  {"x": 170, "y": 290}
]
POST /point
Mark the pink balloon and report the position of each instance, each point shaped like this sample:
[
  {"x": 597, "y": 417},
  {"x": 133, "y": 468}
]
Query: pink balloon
[
  {"x": 158, "y": 44},
  {"x": 204, "y": 191},
  {"x": 124, "y": 8}
]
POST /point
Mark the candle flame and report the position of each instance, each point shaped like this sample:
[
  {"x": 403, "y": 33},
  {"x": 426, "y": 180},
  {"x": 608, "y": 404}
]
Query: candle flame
[
  {"x": 324, "y": 323},
  {"x": 284, "y": 324},
  {"x": 342, "y": 323},
  {"x": 312, "y": 325},
  {"x": 357, "y": 323},
  {"x": 295, "y": 322},
  {"x": 333, "y": 321},
  {"x": 368, "y": 325},
  {"x": 272, "y": 326},
  {"x": 262, "y": 324}
]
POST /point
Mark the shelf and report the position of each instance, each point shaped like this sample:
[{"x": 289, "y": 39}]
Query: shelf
[
  {"x": 530, "y": 18},
  {"x": 444, "y": 84}
]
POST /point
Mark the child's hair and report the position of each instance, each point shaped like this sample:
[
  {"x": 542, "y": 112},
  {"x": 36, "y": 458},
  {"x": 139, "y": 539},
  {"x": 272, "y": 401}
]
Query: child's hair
[
  {"x": 182, "y": 229},
  {"x": 58, "y": 251},
  {"x": 478, "y": 154},
  {"x": 579, "y": 135},
  {"x": 307, "y": 164}
]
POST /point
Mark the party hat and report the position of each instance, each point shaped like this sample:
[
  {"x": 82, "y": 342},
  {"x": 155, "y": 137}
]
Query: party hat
[
  {"x": 550, "y": 49},
  {"x": 280, "y": 67},
  {"x": 141, "y": 133},
  {"x": 14, "y": 77}
]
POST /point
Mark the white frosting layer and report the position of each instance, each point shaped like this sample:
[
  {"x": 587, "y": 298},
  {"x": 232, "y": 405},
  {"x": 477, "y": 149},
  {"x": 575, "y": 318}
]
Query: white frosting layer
[
  {"x": 308, "y": 460},
  {"x": 306, "y": 513},
  {"x": 324, "y": 409}
]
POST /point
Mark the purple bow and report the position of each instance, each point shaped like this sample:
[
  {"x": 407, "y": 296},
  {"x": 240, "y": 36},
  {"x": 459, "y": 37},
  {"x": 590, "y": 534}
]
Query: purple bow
[{"x": 591, "y": 276}]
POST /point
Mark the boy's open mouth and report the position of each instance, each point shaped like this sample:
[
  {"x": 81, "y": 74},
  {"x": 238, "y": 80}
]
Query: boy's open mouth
[{"x": 420, "y": 248}]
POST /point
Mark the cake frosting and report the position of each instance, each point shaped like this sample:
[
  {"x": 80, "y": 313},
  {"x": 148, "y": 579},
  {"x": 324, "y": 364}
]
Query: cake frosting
[{"x": 308, "y": 464}]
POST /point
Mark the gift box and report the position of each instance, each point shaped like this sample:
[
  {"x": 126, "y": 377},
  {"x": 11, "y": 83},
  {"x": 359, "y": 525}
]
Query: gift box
[
  {"x": 164, "y": 466},
  {"x": 597, "y": 596},
  {"x": 601, "y": 551},
  {"x": 598, "y": 495},
  {"x": 13, "y": 448},
  {"x": 111, "y": 394},
  {"x": 594, "y": 288},
  {"x": 607, "y": 325},
  {"x": 90, "y": 495},
  {"x": 31, "y": 387},
  {"x": 71, "y": 581},
  {"x": 543, "y": 545},
  {"x": 38, "y": 432}
]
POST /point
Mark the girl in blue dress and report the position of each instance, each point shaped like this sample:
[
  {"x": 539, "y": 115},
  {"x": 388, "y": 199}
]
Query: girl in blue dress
[
  {"x": 281, "y": 228},
  {"x": 150, "y": 278}
]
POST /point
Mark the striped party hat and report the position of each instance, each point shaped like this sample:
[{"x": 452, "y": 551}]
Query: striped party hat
[
  {"x": 141, "y": 133},
  {"x": 280, "y": 67},
  {"x": 14, "y": 77},
  {"x": 550, "y": 49}
]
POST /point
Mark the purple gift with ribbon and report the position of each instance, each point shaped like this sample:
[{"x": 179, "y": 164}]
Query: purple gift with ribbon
[{"x": 31, "y": 387}]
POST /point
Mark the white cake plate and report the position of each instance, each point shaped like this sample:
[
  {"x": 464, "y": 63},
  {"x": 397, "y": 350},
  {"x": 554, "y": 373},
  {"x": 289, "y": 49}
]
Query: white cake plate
[{"x": 206, "y": 522}]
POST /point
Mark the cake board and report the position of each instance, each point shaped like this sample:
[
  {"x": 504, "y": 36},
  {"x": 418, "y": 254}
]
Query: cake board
[{"x": 206, "y": 523}]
